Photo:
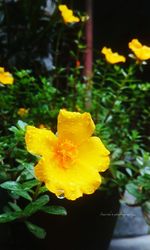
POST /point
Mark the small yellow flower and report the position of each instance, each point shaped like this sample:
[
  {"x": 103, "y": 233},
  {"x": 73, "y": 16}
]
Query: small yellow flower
[
  {"x": 112, "y": 57},
  {"x": 22, "y": 112},
  {"x": 67, "y": 14},
  {"x": 42, "y": 126},
  {"x": 71, "y": 161},
  {"x": 142, "y": 52},
  {"x": 5, "y": 77}
]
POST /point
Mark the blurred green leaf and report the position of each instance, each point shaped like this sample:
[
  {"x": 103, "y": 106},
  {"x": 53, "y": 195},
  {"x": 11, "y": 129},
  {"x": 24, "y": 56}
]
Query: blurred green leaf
[
  {"x": 134, "y": 189},
  {"x": 10, "y": 216},
  {"x": 14, "y": 206},
  {"x": 39, "y": 232},
  {"x": 22, "y": 125},
  {"x": 57, "y": 210},
  {"x": 146, "y": 211}
]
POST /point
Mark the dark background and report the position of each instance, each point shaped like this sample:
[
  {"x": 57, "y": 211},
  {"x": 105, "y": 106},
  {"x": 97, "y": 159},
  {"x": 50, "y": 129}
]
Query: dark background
[{"x": 117, "y": 22}]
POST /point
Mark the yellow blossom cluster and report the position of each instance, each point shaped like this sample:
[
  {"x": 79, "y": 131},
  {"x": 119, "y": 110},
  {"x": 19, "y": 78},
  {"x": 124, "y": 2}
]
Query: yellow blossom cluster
[
  {"x": 67, "y": 14},
  {"x": 141, "y": 52}
]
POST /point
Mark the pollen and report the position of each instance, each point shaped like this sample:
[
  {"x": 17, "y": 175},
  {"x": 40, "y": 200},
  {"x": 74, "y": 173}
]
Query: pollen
[{"x": 65, "y": 153}]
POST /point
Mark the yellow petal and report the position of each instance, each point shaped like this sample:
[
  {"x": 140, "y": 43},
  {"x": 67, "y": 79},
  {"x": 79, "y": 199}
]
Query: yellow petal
[
  {"x": 62, "y": 7},
  {"x": 142, "y": 52},
  {"x": 93, "y": 153},
  {"x": 71, "y": 183},
  {"x": 6, "y": 78},
  {"x": 106, "y": 50},
  {"x": 112, "y": 57},
  {"x": 1, "y": 70},
  {"x": 39, "y": 141},
  {"x": 39, "y": 171},
  {"x": 67, "y": 14},
  {"x": 74, "y": 126},
  {"x": 135, "y": 44}
]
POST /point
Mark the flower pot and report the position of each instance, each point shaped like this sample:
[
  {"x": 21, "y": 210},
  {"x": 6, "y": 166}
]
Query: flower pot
[{"x": 87, "y": 226}]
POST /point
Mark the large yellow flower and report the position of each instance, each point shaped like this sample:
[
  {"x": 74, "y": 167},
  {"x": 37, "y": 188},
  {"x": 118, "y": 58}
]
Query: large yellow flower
[
  {"x": 67, "y": 14},
  {"x": 112, "y": 57},
  {"x": 5, "y": 77},
  {"x": 142, "y": 52},
  {"x": 71, "y": 161}
]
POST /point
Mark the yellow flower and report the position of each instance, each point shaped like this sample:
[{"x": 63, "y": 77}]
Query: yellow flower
[
  {"x": 142, "y": 52},
  {"x": 71, "y": 161},
  {"x": 42, "y": 126},
  {"x": 5, "y": 77},
  {"x": 22, "y": 112},
  {"x": 67, "y": 14},
  {"x": 112, "y": 57}
]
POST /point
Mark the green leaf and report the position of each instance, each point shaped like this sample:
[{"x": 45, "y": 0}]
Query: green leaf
[
  {"x": 146, "y": 207},
  {"x": 23, "y": 194},
  {"x": 133, "y": 189},
  {"x": 36, "y": 205},
  {"x": 21, "y": 124},
  {"x": 42, "y": 189},
  {"x": 36, "y": 230},
  {"x": 30, "y": 184},
  {"x": 13, "y": 129},
  {"x": 28, "y": 172},
  {"x": 16, "y": 189},
  {"x": 11, "y": 185},
  {"x": 58, "y": 210},
  {"x": 14, "y": 206},
  {"x": 9, "y": 216},
  {"x": 129, "y": 171}
]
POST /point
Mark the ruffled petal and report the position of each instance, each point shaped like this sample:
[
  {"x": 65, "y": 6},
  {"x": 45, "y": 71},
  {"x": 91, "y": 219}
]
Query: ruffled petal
[
  {"x": 69, "y": 183},
  {"x": 40, "y": 141},
  {"x": 39, "y": 171},
  {"x": 93, "y": 153},
  {"x": 74, "y": 126}
]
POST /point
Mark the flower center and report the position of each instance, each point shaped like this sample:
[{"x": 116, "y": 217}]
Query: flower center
[{"x": 65, "y": 153}]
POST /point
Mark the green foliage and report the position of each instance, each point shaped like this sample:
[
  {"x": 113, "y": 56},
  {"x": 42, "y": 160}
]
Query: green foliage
[
  {"x": 25, "y": 194},
  {"x": 139, "y": 186},
  {"x": 119, "y": 109}
]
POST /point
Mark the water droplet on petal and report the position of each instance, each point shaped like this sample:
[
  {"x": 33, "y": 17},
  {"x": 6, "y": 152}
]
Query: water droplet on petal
[{"x": 61, "y": 195}]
